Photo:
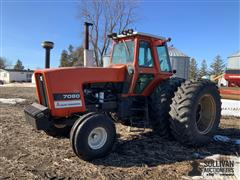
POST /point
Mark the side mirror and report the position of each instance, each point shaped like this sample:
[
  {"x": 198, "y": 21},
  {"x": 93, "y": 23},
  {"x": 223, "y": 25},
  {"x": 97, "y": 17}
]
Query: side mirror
[{"x": 174, "y": 71}]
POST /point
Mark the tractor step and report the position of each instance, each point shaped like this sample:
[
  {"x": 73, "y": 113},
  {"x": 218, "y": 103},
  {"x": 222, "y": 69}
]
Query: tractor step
[
  {"x": 139, "y": 123},
  {"x": 137, "y": 126}
]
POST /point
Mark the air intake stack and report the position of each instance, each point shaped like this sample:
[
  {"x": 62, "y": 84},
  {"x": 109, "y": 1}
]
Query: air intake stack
[{"x": 48, "y": 45}]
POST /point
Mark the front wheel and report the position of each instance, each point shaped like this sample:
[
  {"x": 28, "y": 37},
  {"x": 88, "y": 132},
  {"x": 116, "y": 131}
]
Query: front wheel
[
  {"x": 94, "y": 137},
  {"x": 195, "y": 112}
]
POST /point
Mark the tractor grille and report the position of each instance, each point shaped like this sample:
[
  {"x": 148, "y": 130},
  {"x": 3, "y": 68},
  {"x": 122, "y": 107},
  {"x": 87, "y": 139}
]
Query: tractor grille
[{"x": 42, "y": 90}]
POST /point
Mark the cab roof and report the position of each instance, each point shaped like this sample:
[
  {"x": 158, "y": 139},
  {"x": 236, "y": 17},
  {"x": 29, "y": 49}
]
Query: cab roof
[{"x": 141, "y": 34}]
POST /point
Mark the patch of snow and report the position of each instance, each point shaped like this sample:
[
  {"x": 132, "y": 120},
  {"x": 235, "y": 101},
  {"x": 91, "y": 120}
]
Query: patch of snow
[
  {"x": 220, "y": 138},
  {"x": 225, "y": 139},
  {"x": 11, "y": 100},
  {"x": 18, "y": 85},
  {"x": 230, "y": 107},
  {"x": 213, "y": 157}
]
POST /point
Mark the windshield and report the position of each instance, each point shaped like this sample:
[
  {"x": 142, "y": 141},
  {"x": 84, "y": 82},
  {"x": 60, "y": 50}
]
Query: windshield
[{"x": 123, "y": 52}]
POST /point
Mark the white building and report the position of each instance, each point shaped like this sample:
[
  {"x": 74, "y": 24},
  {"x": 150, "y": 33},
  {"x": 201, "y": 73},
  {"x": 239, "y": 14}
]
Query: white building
[{"x": 13, "y": 75}]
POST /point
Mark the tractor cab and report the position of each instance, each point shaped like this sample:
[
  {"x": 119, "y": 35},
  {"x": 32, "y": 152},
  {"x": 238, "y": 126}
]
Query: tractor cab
[{"x": 146, "y": 57}]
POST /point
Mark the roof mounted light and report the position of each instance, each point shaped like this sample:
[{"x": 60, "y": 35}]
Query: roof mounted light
[
  {"x": 130, "y": 31},
  {"x": 167, "y": 40},
  {"x": 112, "y": 35},
  {"x": 124, "y": 32}
]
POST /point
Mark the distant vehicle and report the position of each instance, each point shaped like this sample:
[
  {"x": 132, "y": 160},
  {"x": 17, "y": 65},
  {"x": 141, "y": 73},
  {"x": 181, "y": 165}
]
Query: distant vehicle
[{"x": 232, "y": 77}]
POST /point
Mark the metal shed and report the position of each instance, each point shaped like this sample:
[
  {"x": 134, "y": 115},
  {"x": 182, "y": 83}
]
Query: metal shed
[{"x": 180, "y": 62}]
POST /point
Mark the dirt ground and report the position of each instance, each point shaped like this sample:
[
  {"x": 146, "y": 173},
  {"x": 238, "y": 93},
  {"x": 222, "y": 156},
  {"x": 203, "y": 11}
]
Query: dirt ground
[{"x": 28, "y": 154}]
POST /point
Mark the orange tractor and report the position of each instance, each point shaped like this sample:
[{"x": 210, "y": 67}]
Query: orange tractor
[{"x": 137, "y": 89}]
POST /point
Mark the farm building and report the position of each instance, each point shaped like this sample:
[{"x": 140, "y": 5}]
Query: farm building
[
  {"x": 179, "y": 61},
  {"x": 234, "y": 61},
  {"x": 13, "y": 75}
]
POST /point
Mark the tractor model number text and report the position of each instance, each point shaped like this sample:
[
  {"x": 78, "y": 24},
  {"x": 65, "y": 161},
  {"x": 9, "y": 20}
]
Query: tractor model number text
[
  {"x": 71, "y": 96},
  {"x": 66, "y": 96}
]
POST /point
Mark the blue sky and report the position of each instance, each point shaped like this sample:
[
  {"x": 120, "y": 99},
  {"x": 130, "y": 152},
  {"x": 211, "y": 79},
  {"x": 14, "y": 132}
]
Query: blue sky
[{"x": 201, "y": 29}]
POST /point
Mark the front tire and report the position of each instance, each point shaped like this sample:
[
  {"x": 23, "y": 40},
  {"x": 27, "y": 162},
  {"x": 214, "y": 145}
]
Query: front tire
[
  {"x": 195, "y": 112},
  {"x": 94, "y": 137}
]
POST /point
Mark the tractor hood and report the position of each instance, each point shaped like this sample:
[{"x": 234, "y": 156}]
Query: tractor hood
[
  {"x": 69, "y": 76},
  {"x": 51, "y": 82}
]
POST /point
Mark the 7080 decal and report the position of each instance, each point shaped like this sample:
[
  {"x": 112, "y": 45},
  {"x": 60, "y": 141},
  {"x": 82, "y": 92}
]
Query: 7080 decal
[
  {"x": 71, "y": 96},
  {"x": 66, "y": 96}
]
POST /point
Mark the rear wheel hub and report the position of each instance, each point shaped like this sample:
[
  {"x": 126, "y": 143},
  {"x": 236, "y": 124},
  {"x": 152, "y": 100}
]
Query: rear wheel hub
[{"x": 205, "y": 114}]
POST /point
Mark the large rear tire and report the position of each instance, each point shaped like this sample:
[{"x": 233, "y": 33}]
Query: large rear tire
[
  {"x": 159, "y": 105},
  {"x": 195, "y": 112}
]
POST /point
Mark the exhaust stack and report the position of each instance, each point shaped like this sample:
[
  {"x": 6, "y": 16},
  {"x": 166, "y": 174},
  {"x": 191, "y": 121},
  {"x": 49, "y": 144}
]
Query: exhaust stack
[
  {"x": 88, "y": 54},
  {"x": 86, "y": 33},
  {"x": 48, "y": 45}
]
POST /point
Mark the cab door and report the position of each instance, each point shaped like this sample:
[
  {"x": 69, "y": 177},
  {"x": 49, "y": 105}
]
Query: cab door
[
  {"x": 163, "y": 59},
  {"x": 144, "y": 67}
]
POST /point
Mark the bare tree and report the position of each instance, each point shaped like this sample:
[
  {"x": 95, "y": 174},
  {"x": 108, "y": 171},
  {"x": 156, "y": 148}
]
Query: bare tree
[
  {"x": 2, "y": 63},
  {"x": 72, "y": 57},
  {"x": 107, "y": 16}
]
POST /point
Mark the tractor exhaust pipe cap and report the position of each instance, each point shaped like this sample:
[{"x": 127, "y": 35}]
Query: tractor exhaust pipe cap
[
  {"x": 47, "y": 45},
  {"x": 86, "y": 33}
]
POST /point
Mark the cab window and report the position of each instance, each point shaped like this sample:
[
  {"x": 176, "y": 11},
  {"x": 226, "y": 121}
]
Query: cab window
[
  {"x": 145, "y": 56},
  {"x": 123, "y": 52},
  {"x": 163, "y": 59}
]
